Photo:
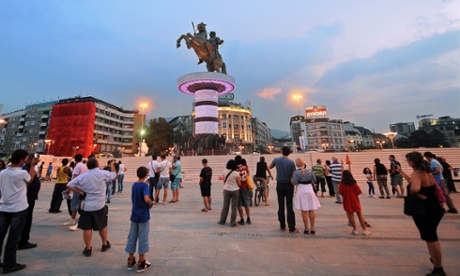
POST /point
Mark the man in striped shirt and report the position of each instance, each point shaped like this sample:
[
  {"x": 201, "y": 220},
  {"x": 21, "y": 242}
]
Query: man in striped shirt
[{"x": 336, "y": 169}]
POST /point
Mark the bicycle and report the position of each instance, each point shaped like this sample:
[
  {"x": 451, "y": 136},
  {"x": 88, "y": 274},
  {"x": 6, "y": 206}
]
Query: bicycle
[{"x": 259, "y": 191}]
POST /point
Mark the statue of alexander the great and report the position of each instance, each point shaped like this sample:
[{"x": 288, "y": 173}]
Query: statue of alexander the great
[{"x": 206, "y": 49}]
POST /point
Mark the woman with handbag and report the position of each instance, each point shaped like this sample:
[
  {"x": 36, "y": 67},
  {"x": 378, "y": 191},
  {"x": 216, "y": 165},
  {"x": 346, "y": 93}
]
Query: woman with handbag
[
  {"x": 232, "y": 183},
  {"x": 423, "y": 186}
]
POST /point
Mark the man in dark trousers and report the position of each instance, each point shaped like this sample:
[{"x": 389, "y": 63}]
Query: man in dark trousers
[
  {"x": 32, "y": 194},
  {"x": 285, "y": 167},
  {"x": 13, "y": 207}
]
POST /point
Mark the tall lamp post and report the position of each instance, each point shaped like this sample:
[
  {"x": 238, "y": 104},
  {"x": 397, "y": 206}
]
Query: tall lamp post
[
  {"x": 349, "y": 142},
  {"x": 391, "y": 135},
  {"x": 298, "y": 98},
  {"x": 75, "y": 148},
  {"x": 48, "y": 142},
  {"x": 143, "y": 106}
]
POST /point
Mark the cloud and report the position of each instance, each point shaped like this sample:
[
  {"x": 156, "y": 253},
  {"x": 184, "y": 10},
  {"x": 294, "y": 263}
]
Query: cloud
[
  {"x": 269, "y": 93},
  {"x": 390, "y": 59}
]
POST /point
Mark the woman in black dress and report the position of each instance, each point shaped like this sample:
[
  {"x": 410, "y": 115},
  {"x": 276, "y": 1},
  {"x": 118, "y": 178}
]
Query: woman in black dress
[{"x": 422, "y": 184}]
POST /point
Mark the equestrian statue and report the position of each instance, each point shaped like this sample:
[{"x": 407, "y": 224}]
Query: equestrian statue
[{"x": 206, "y": 49}]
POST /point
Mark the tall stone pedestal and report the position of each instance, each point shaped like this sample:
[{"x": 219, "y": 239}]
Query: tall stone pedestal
[{"x": 206, "y": 87}]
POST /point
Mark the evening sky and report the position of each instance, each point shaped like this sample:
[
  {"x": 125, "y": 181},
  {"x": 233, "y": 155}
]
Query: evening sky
[{"x": 370, "y": 62}]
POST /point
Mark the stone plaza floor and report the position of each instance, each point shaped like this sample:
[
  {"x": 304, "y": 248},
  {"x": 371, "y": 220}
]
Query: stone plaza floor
[{"x": 186, "y": 241}]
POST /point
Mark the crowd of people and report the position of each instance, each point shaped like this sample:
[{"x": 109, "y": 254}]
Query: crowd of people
[{"x": 88, "y": 189}]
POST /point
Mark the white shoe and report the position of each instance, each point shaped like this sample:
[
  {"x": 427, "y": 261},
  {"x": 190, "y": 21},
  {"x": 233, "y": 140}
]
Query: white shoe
[
  {"x": 366, "y": 233},
  {"x": 374, "y": 196},
  {"x": 370, "y": 196},
  {"x": 354, "y": 232},
  {"x": 74, "y": 228},
  {"x": 69, "y": 222}
]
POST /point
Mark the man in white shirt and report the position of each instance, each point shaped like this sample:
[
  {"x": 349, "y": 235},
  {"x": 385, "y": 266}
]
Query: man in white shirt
[
  {"x": 14, "y": 206},
  {"x": 91, "y": 187},
  {"x": 152, "y": 166},
  {"x": 73, "y": 203},
  {"x": 164, "y": 169}
]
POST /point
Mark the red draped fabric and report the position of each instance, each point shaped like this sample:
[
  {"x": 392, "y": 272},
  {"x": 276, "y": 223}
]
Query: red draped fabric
[{"x": 72, "y": 126}]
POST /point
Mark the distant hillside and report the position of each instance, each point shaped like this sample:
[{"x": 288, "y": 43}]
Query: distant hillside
[{"x": 279, "y": 133}]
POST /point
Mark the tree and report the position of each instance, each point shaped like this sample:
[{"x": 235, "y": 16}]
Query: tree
[
  {"x": 438, "y": 138},
  {"x": 422, "y": 138},
  {"x": 403, "y": 142},
  {"x": 159, "y": 136}
]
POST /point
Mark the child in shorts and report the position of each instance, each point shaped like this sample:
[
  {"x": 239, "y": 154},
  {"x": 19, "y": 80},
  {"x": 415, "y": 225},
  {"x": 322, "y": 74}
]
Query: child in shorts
[{"x": 140, "y": 217}]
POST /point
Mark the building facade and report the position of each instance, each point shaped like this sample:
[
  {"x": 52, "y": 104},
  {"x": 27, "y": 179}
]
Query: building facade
[
  {"x": 75, "y": 125},
  {"x": 404, "y": 129},
  {"x": 362, "y": 137},
  {"x": 448, "y": 126},
  {"x": 298, "y": 129},
  {"x": 263, "y": 138},
  {"x": 325, "y": 134},
  {"x": 26, "y": 129},
  {"x": 235, "y": 125}
]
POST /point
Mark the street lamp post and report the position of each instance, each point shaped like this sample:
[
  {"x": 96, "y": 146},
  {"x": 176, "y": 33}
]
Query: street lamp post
[
  {"x": 380, "y": 143},
  {"x": 143, "y": 106},
  {"x": 75, "y": 148},
  {"x": 391, "y": 136},
  {"x": 297, "y": 98},
  {"x": 48, "y": 142},
  {"x": 349, "y": 142}
]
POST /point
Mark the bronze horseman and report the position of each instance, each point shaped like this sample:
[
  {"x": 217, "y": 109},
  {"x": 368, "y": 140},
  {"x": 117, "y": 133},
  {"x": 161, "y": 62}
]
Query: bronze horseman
[{"x": 206, "y": 49}]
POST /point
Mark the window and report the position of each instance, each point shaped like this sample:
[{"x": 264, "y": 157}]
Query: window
[{"x": 224, "y": 125}]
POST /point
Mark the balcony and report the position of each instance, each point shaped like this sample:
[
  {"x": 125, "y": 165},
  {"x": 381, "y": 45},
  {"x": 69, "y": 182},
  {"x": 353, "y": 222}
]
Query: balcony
[
  {"x": 45, "y": 116},
  {"x": 20, "y": 127},
  {"x": 22, "y": 120},
  {"x": 19, "y": 134},
  {"x": 42, "y": 132},
  {"x": 43, "y": 124}
]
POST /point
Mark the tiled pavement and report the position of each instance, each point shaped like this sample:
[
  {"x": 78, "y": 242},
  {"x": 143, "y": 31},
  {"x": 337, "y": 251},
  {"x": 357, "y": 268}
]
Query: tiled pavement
[{"x": 186, "y": 241}]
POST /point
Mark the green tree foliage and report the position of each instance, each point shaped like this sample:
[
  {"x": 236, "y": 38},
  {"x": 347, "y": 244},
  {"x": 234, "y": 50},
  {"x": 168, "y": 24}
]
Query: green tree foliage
[
  {"x": 181, "y": 139},
  {"x": 159, "y": 136},
  {"x": 422, "y": 138}
]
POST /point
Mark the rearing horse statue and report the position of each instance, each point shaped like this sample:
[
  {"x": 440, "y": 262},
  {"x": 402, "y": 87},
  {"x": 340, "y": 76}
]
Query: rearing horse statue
[{"x": 204, "y": 49}]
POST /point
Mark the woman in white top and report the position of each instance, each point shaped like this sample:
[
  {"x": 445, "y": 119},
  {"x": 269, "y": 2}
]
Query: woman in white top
[
  {"x": 232, "y": 182},
  {"x": 305, "y": 196},
  {"x": 328, "y": 174}
]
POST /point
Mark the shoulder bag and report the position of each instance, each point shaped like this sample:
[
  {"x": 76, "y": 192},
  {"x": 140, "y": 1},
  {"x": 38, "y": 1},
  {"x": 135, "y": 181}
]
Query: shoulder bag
[{"x": 413, "y": 205}]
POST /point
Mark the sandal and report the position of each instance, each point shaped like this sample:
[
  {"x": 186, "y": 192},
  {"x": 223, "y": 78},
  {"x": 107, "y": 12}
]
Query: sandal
[
  {"x": 204, "y": 210},
  {"x": 294, "y": 231},
  {"x": 312, "y": 232},
  {"x": 367, "y": 224},
  {"x": 172, "y": 201},
  {"x": 305, "y": 231}
]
